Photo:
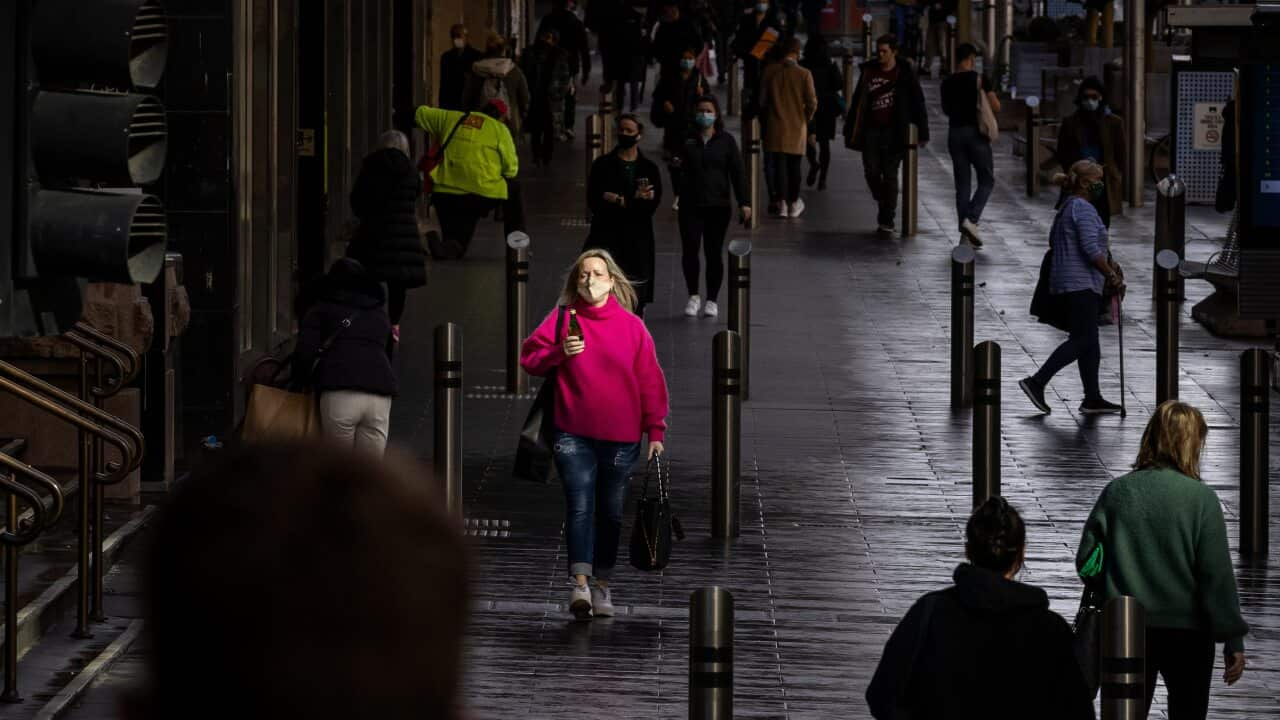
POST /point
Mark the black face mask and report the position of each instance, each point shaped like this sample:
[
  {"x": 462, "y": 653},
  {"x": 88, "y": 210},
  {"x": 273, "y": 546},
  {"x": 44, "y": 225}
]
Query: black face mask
[{"x": 626, "y": 142}]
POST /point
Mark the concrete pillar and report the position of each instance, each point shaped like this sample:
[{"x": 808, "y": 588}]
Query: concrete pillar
[
  {"x": 964, "y": 21},
  {"x": 990, "y": 40},
  {"x": 1005, "y": 40},
  {"x": 1135, "y": 121}
]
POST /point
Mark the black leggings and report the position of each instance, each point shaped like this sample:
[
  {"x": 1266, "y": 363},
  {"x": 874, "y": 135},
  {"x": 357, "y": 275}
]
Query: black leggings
[
  {"x": 786, "y": 177},
  {"x": 705, "y": 228},
  {"x": 1081, "y": 309},
  {"x": 1184, "y": 658}
]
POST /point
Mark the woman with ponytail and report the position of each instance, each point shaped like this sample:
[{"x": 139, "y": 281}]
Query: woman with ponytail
[
  {"x": 987, "y": 647},
  {"x": 1080, "y": 267}
]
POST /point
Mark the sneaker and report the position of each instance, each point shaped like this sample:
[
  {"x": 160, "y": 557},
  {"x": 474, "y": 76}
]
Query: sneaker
[
  {"x": 886, "y": 228},
  {"x": 797, "y": 208},
  {"x": 580, "y": 602},
  {"x": 1035, "y": 393},
  {"x": 692, "y": 307},
  {"x": 601, "y": 602},
  {"x": 1098, "y": 407},
  {"x": 675, "y": 206},
  {"x": 395, "y": 333},
  {"x": 970, "y": 228},
  {"x": 710, "y": 309}
]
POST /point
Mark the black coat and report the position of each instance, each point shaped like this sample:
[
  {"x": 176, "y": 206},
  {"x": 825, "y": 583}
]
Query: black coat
[
  {"x": 683, "y": 94},
  {"x": 626, "y": 232},
  {"x": 573, "y": 38},
  {"x": 454, "y": 66},
  {"x": 384, "y": 198},
  {"x": 991, "y": 649},
  {"x": 908, "y": 107},
  {"x": 671, "y": 40},
  {"x": 710, "y": 170},
  {"x": 357, "y": 359},
  {"x": 828, "y": 82}
]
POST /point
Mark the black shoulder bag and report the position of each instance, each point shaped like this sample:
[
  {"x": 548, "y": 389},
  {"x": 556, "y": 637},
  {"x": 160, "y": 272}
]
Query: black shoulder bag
[
  {"x": 1088, "y": 637},
  {"x": 655, "y": 523},
  {"x": 535, "y": 451}
]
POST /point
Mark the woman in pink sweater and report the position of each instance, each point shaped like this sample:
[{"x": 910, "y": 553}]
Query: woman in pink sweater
[{"x": 610, "y": 392}]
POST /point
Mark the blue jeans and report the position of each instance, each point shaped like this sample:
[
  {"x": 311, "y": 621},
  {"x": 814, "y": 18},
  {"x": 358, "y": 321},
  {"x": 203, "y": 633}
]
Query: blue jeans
[
  {"x": 594, "y": 473},
  {"x": 969, "y": 149}
]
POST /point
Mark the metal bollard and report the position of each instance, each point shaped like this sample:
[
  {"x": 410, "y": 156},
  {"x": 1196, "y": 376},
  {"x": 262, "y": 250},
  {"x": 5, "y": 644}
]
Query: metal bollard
[
  {"x": 868, "y": 45},
  {"x": 607, "y": 122},
  {"x": 448, "y": 413},
  {"x": 848, "y": 72},
  {"x": 986, "y": 422},
  {"x": 1171, "y": 225},
  {"x": 595, "y": 148},
  {"x": 1124, "y": 659},
  {"x": 517, "y": 309},
  {"x": 1167, "y": 301},
  {"x": 910, "y": 171},
  {"x": 735, "y": 90},
  {"x": 1255, "y": 456},
  {"x": 755, "y": 165},
  {"x": 740, "y": 305},
  {"x": 962, "y": 261},
  {"x": 726, "y": 430},
  {"x": 989, "y": 40},
  {"x": 711, "y": 654},
  {"x": 1032, "y": 153},
  {"x": 951, "y": 45}
]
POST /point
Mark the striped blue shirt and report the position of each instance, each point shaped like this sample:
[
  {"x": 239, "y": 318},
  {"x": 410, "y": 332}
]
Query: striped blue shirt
[{"x": 1078, "y": 238}]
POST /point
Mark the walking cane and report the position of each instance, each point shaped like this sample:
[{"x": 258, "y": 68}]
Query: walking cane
[{"x": 1117, "y": 315}]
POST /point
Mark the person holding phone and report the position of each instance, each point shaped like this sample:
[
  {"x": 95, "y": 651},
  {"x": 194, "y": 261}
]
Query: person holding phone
[
  {"x": 624, "y": 190},
  {"x": 610, "y": 392},
  {"x": 712, "y": 166}
]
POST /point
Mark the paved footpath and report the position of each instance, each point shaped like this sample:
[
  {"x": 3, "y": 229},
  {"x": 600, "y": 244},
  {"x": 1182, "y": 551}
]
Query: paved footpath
[{"x": 856, "y": 472}]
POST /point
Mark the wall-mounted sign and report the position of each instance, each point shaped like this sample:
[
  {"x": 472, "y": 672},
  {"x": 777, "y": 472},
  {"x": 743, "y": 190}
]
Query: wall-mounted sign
[{"x": 1208, "y": 127}]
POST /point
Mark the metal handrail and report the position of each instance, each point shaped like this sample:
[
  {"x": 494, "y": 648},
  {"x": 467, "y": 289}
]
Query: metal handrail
[
  {"x": 84, "y": 416},
  {"x": 109, "y": 387},
  {"x": 42, "y": 515},
  {"x": 111, "y": 344}
]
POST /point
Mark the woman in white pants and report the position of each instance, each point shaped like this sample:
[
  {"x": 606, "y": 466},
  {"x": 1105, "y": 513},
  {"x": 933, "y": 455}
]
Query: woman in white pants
[{"x": 342, "y": 353}]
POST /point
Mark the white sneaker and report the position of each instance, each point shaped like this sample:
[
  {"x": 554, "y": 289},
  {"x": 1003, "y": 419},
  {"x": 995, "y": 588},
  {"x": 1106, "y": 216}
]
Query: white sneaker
[
  {"x": 601, "y": 602},
  {"x": 580, "y": 602},
  {"x": 710, "y": 309},
  {"x": 691, "y": 308},
  {"x": 675, "y": 206},
  {"x": 797, "y": 208},
  {"x": 971, "y": 228}
]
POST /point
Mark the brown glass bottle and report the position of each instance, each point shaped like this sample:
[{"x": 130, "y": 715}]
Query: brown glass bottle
[{"x": 575, "y": 330}]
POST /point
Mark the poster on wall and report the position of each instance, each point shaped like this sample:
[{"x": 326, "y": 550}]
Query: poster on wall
[{"x": 1207, "y": 126}]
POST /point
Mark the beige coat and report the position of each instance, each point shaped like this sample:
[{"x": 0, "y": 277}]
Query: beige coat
[{"x": 789, "y": 104}]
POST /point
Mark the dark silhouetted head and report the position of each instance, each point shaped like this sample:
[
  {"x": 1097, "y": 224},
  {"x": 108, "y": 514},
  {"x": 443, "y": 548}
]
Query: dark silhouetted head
[{"x": 995, "y": 537}]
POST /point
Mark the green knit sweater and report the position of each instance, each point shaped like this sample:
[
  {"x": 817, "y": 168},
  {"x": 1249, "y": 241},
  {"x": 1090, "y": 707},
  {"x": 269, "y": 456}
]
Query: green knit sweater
[{"x": 1159, "y": 536}]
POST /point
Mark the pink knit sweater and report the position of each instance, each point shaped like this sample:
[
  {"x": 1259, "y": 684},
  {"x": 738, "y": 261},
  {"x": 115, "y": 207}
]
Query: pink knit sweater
[{"x": 614, "y": 390}]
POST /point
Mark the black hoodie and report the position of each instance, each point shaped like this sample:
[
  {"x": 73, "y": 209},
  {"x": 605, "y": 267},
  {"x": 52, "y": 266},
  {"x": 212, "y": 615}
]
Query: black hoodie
[
  {"x": 992, "y": 649},
  {"x": 357, "y": 359}
]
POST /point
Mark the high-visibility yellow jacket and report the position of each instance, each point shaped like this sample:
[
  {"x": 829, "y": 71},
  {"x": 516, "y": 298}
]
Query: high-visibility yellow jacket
[{"x": 480, "y": 157}]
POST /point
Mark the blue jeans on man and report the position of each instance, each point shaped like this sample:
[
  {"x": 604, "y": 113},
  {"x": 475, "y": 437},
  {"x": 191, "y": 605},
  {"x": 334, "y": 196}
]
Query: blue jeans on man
[{"x": 595, "y": 474}]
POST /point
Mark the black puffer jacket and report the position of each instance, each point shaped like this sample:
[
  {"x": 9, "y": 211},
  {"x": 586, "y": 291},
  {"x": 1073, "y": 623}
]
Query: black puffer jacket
[
  {"x": 991, "y": 649},
  {"x": 384, "y": 199},
  {"x": 711, "y": 170},
  {"x": 357, "y": 359}
]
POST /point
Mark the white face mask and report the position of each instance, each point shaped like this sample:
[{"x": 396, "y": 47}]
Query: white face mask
[
  {"x": 459, "y": 43},
  {"x": 595, "y": 290}
]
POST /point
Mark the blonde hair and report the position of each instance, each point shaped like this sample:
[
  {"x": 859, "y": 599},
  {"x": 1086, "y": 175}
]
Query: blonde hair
[
  {"x": 1173, "y": 439},
  {"x": 623, "y": 289},
  {"x": 1077, "y": 178}
]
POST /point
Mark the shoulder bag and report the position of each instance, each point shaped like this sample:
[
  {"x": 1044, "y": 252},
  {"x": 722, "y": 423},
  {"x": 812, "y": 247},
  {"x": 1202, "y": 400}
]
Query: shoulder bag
[
  {"x": 535, "y": 451},
  {"x": 1087, "y": 645},
  {"x": 280, "y": 410},
  {"x": 987, "y": 125},
  {"x": 655, "y": 523}
]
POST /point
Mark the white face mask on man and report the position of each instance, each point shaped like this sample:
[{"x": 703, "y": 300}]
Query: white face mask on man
[
  {"x": 595, "y": 290},
  {"x": 459, "y": 43}
]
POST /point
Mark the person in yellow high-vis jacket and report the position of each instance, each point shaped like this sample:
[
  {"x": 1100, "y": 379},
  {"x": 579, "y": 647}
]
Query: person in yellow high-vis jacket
[{"x": 477, "y": 161}]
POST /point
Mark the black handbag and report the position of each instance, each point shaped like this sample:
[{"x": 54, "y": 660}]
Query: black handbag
[
  {"x": 535, "y": 452},
  {"x": 1088, "y": 637},
  {"x": 655, "y": 523}
]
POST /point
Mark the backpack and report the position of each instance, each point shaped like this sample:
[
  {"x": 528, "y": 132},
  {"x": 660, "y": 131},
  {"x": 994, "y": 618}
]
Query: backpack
[{"x": 495, "y": 88}]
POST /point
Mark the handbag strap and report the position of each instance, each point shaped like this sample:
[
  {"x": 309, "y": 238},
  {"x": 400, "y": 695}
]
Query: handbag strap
[
  {"x": 449, "y": 138},
  {"x": 329, "y": 341},
  {"x": 664, "y": 479}
]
